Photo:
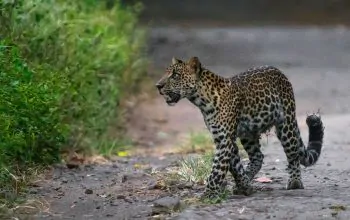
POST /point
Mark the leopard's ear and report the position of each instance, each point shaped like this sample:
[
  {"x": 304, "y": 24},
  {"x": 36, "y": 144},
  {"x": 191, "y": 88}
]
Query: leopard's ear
[
  {"x": 195, "y": 64},
  {"x": 175, "y": 61}
]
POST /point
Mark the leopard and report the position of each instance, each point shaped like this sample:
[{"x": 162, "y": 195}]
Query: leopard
[{"x": 245, "y": 106}]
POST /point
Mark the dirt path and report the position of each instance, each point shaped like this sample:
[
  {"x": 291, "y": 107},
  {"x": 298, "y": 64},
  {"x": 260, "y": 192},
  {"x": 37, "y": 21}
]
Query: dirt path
[
  {"x": 130, "y": 187},
  {"x": 123, "y": 189}
]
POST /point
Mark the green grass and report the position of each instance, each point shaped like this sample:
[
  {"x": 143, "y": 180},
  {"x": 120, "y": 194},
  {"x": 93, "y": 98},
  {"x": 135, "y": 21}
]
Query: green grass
[
  {"x": 197, "y": 142},
  {"x": 202, "y": 142},
  {"x": 196, "y": 168}
]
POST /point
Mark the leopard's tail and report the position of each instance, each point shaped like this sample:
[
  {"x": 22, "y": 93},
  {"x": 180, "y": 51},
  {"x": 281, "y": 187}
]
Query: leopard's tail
[{"x": 312, "y": 152}]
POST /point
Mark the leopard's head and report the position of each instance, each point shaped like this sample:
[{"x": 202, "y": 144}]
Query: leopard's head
[{"x": 179, "y": 80}]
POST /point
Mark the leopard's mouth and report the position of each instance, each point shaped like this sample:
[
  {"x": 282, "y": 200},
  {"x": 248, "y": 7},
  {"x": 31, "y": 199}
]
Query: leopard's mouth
[{"x": 172, "y": 98}]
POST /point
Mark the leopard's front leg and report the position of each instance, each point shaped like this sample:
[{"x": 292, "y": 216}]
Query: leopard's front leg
[{"x": 221, "y": 163}]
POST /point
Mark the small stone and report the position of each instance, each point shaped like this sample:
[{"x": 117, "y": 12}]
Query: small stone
[
  {"x": 124, "y": 178},
  {"x": 107, "y": 172},
  {"x": 166, "y": 205},
  {"x": 329, "y": 164},
  {"x": 121, "y": 197},
  {"x": 64, "y": 180},
  {"x": 128, "y": 200},
  {"x": 123, "y": 160},
  {"x": 72, "y": 165},
  {"x": 89, "y": 191},
  {"x": 132, "y": 176}
]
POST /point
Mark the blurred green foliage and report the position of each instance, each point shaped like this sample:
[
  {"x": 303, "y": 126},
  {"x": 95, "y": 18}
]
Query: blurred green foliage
[{"x": 65, "y": 67}]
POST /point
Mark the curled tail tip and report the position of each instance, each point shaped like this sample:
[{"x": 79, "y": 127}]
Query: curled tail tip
[
  {"x": 316, "y": 133},
  {"x": 314, "y": 120}
]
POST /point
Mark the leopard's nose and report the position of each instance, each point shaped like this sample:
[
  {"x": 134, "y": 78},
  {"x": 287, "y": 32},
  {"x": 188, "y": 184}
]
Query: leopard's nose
[{"x": 159, "y": 87}]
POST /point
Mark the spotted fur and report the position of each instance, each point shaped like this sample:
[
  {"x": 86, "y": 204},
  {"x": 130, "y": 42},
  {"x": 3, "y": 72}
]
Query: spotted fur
[{"x": 245, "y": 106}]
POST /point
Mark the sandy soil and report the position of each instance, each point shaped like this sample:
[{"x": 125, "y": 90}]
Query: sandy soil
[{"x": 317, "y": 62}]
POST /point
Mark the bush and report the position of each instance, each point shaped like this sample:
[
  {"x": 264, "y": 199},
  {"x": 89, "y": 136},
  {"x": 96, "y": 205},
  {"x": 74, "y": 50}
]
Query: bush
[
  {"x": 30, "y": 122},
  {"x": 66, "y": 67},
  {"x": 98, "y": 49}
]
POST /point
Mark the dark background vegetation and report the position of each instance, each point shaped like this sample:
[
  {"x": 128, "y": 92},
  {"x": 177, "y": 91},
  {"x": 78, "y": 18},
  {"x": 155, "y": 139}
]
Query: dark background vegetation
[{"x": 246, "y": 12}]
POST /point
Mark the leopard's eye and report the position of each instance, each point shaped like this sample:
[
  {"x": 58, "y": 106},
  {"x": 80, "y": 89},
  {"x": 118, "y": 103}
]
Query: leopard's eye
[{"x": 175, "y": 75}]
